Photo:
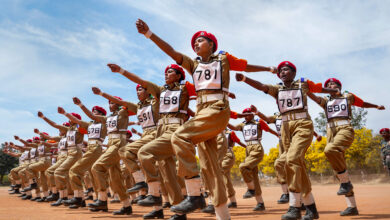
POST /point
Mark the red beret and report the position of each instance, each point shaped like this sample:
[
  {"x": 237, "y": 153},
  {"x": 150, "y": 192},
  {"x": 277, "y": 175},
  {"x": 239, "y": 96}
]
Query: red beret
[
  {"x": 45, "y": 133},
  {"x": 129, "y": 133},
  {"x": 384, "y": 130},
  {"x": 332, "y": 80},
  {"x": 246, "y": 110},
  {"x": 138, "y": 86},
  {"x": 99, "y": 109},
  {"x": 286, "y": 63},
  {"x": 29, "y": 140},
  {"x": 206, "y": 35},
  {"x": 36, "y": 138},
  {"x": 178, "y": 68},
  {"x": 66, "y": 124},
  {"x": 76, "y": 115}
]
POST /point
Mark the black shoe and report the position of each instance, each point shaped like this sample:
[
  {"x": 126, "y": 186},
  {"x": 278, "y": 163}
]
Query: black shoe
[
  {"x": 59, "y": 201},
  {"x": 109, "y": 195},
  {"x": 293, "y": 213},
  {"x": 77, "y": 205},
  {"x": 178, "y": 217},
  {"x": 74, "y": 200},
  {"x": 88, "y": 198},
  {"x": 209, "y": 209},
  {"x": 166, "y": 205},
  {"x": 303, "y": 208},
  {"x": 22, "y": 195},
  {"x": 137, "y": 187},
  {"x": 99, "y": 205},
  {"x": 31, "y": 187},
  {"x": 150, "y": 201},
  {"x": 86, "y": 192},
  {"x": 26, "y": 197},
  {"x": 159, "y": 214},
  {"x": 138, "y": 198},
  {"x": 36, "y": 198},
  {"x": 41, "y": 200},
  {"x": 350, "y": 211},
  {"x": 249, "y": 194},
  {"x": 190, "y": 204},
  {"x": 205, "y": 194},
  {"x": 124, "y": 211},
  {"x": 12, "y": 188},
  {"x": 311, "y": 212},
  {"x": 232, "y": 205},
  {"x": 115, "y": 201},
  {"x": 284, "y": 198},
  {"x": 345, "y": 188},
  {"x": 53, "y": 197},
  {"x": 15, "y": 191},
  {"x": 259, "y": 207}
]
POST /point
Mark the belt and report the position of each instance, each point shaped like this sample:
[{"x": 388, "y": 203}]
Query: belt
[
  {"x": 170, "y": 121},
  {"x": 252, "y": 142},
  {"x": 95, "y": 142},
  {"x": 75, "y": 146},
  {"x": 294, "y": 116},
  {"x": 338, "y": 123},
  {"x": 149, "y": 128},
  {"x": 211, "y": 97},
  {"x": 116, "y": 136},
  {"x": 61, "y": 152}
]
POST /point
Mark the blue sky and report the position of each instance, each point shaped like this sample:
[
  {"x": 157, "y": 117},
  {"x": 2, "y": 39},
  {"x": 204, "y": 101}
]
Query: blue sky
[{"x": 54, "y": 50}]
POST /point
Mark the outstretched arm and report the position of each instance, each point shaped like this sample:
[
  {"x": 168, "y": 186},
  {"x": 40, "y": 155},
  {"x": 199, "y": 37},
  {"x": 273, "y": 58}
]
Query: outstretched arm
[
  {"x": 131, "y": 76},
  {"x": 261, "y": 115},
  {"x": 50, "y": 122},
  {"x": 258, "y": 68},
  {"x": 45, "y": 136},
  {"x": 23, "y": 141},
  {"x": 315, "y": 98},
  {"x": 255, "y": 84},
  {"x": 273, "y": 132},
  {"x": 136, "y": 132},
  {"x": 233, "y": 127},
  {"x": 98, "y": 118},
  {"x": 111, "y": 98},
  {"x": 369, "y": 105},
  {"x": 144, "y": 29}
]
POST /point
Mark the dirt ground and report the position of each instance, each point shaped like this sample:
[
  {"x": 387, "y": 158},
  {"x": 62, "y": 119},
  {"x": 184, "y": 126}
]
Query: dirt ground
[{"x": 373, "y": 203}]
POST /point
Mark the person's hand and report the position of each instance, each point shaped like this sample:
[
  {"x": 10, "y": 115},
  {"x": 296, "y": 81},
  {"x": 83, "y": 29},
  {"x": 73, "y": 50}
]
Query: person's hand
[
  {"x": 61, "y": 110},
  {"x": 253, "y": 109},
  {"x": 11, "y": 143},
  {"x": 273, "y": 69},
  {"x": 96, "y": 91},
  {"x": 76, "y": 101},
  {"x": 16, "y": 137},
  {"x": 319, "y": 138},
  {"x": 36, "y": 131},
  {"x": 232, "y": 95},
  {"x": 134, "y": 131},
  {"x": 40, "y": 114},
  {"x": 114, "y": 68},
  {"x": 142, "y": 27},
  {"x": 239, "y": 76},
  {"x": 380, "y": 107}
]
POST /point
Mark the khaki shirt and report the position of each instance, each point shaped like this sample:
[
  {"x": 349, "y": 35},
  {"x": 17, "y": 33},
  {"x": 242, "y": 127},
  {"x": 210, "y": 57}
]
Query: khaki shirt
[
  {"x": 122, "y": 121},
  {"x": 80, "y": 131},
  {"x": 252, "y": 134},
  {"x": 350, "y": 101},
  {"x": 277, "y": 120},
  {"x": 103, "y": 131},
  {"x": 154, "y": 103}
]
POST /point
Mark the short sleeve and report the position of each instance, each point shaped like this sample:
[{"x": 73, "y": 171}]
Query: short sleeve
[
  {"x": 233, "y": 115},
  {"x": 235, "y": 63},
  {"x": 240, "y": 126},
  {"x": 234, "y": 137},
  {"x": 314, "y": 87},
  {"x": 357, "y": 101},
  {"x": 82, "y": 130},
  {"x": 191, "y": 89},
  {"x": 153, "y": 89},
  {"x": 272, "y": 119},
  {"x": 273, "y": 91},
  {"x": 187, "y": 64},
  {"x": 263, "y": 125},
  {"x": 131, "y": 107}
]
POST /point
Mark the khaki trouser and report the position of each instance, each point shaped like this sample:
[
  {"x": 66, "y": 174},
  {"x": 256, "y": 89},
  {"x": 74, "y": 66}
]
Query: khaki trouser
[
  {"x": 77, "y": 171},
  {"x": 127, "y": 178},
  {"x": 160, "y": 149},
  {"x": 37, "y": 171},
  {"x": 22, "y": 174},
  {"x": 14, "y": 173},
  {"x": 280, "y": 164},
  {"x": 227, "y": 164},
  {"x": 50, "y": 171},
  {"x": 129, "y": 153},
  {"x": 339, "y": 140},
  {"x": 248, "y": 168},
  {"x": 297, "y": 136},
  {"x": 210, "y": 120},
  {"x": 108, "y": 166},
  {"x": 61, "y": 174}
]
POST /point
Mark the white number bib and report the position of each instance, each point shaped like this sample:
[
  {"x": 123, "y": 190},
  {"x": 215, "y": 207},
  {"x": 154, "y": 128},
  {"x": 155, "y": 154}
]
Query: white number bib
[
  {"x": 41, "y": 150},
  {"x": 33, "y": 151},
  {"x": 53, "y": 160},
  {"x": 112, "y": 123},
  {"x": 250, "y": 132},
  {"x": 337, "y": 108},
  {"x": 169, "y": 101},
  {"x": 278, "y": 125},
  {"x": 62, "y": 144},
  {"x": 24, "y": 156},
  {"x": 94, "y": 131},
  {"x": 208, "y": 76},
  {"x": 71, "y": 138},
  {"x": 289, "y": 100},
  {"x": 145, "y": 116}
]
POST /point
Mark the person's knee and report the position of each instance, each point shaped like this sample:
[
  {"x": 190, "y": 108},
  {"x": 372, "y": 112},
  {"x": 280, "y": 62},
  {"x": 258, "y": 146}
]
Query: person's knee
[{"x": 329, "y": 150}]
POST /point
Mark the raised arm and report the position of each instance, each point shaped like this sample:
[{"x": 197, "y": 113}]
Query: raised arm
[
  {"x": 133, "y": 123},
  {"x": 50, "y": 122},
  {"x": 233, "y": 127},
  {"x": 258, "y": 68},
  {"x": 45, "y": 136},
  {"x": 72, "y": 118},
  {"x": 23, "y": 141},
  {"x": 98, "y": 118},
  {"x": 136, "y": 132},
  {"x": 144, "y": 29},
  {"x": 111, "y": 98},
  {"x": 255, "y": 84},
  {"x": 131, "y": 76},
  {"x": 315, "y": 98},
  {"x": 261, "y": 115},
  {"x": 272, "y": 131},
  {"x": 369, "y": 105},
  {"x": 51, "y": 145}
]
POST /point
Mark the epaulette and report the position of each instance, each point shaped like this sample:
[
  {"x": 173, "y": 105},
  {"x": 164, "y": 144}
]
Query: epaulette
[
  {"x": 303, "y": 79},
  {"x": 280, "y": 84},
  {"x": 222, "y": 52}
]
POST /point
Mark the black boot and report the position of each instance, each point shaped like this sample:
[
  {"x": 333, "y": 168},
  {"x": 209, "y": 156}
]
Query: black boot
[
  {"x": 311, "y": 212},
  {"x": 345, "y": 188},
  {"x": 31, "y": 187},
  {"x": 16, "y": 191},
  {"x": 77, "y": 205},
  {"x": 12, "y": 188},
  {"x": 86, "y": 192},
  {"x": 178, "y": 217},
  {"x": 293, "y": 213},
  {"x": 190, "y": 204},
  {"x": 150, "y": 201},
  {"x": 232, "y": 205},
  {"x": 137, "y": 187},
  {"x": 53, "y": 197},
  {"x": 27, "y": 197},
  {"x": 115, "y": 201},
  {"x": 35, "y": 198},
  {"x": 350, "y": 211},
  {"x": 124, "y": 211},
  {"x": 138, "y": 198},
  {"x": 159, "y": 214},
  {"x": 284, "y": 198},
  {"x": 209, "y": 209},
  {"x": 259, "y": 207},
  {"x": 249, "y": 194},
  {"x": 59, "y": 201},
  {"x": 72, "y": 201},
  {"x": 166, "y": 205},
  {"x": 41, "y": 200},
  {"x": 22, "y": 195},
  {"x": 88, "y": 198},
  {"x": 99, "y": 205}
]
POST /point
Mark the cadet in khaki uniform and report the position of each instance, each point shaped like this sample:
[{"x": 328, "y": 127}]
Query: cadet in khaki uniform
[
  {"x": 340, "y": 135},
  {"x": 297, "y": 133},
  {"x": 96, "y": 134},
  {"x": 173, "y": 106},
  {"x": 252, "y": 132},
  {"x": 385, "y": 149},
  {"x": 211, "y": 79},
  {"x": 22, "y": 171},
  {"x": 108, "y": 162},
  {"x": 23, "y": 158}
]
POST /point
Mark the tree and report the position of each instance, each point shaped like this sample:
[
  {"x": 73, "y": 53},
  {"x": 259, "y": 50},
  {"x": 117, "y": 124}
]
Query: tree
[
  {"x": 6, "y": 163},
  {"x": 266, "y": 166}
]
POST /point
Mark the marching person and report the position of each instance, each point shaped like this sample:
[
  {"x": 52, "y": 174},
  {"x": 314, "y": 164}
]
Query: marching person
[{"x": 385, "y": 149}]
